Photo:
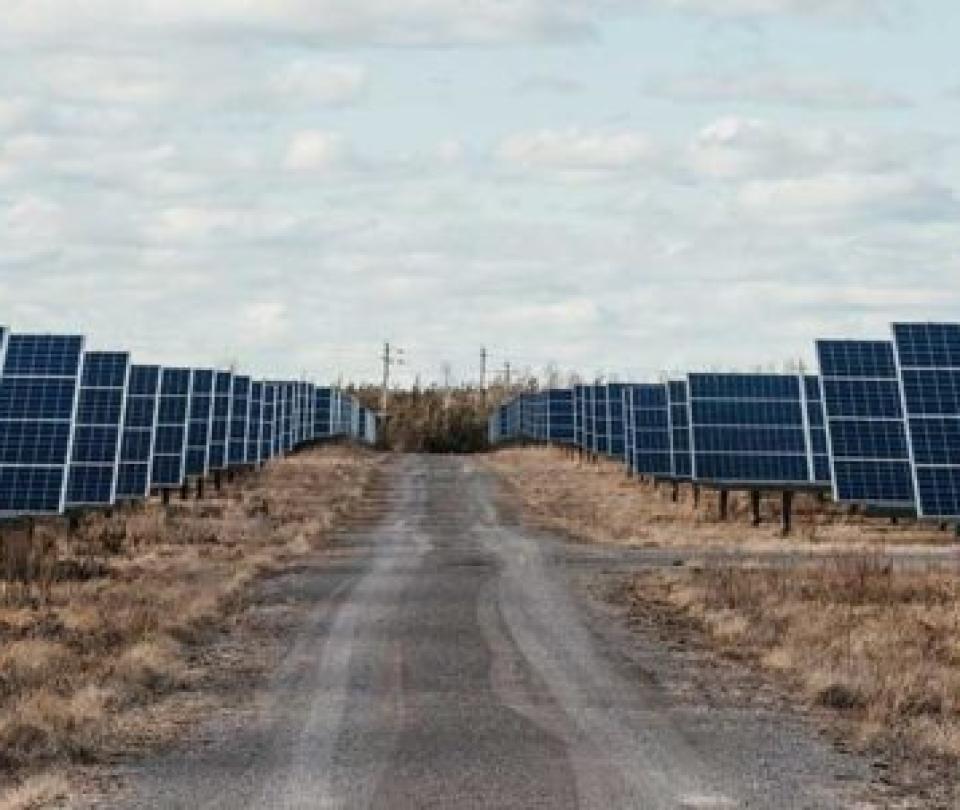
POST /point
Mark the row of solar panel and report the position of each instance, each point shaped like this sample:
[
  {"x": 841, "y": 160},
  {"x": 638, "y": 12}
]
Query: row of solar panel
[
  {"x": 82, "y": 429},
  {"x": 879, "y": 425}
]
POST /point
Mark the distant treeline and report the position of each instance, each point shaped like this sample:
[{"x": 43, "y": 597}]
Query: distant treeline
[{"x": 436, "y": 420}]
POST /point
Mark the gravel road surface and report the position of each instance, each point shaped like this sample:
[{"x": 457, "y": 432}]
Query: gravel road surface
[{"x": 450, "y": 660}]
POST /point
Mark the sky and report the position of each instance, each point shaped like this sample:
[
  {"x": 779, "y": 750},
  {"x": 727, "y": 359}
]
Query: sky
[{"x": 610, "y": 187}]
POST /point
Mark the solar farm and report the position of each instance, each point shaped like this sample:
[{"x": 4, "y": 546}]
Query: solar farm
[
  {"x": 83, "y": 430},
  {"x": 877, "y": 429}
]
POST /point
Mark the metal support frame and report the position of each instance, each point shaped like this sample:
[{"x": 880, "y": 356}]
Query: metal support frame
[
  {"x": 787, "y": 512},
  {"x": 755, "y": 507}
]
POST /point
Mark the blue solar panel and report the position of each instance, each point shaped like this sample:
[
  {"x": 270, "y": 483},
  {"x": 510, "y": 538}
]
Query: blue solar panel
[
  {"x": 201, "y": 418},
  {"x": 652, "y": 441},
  {"x": 38, "y": 398},
  {"x": 614, "y": 420},
  {"x": 680, "y": 429},
  {"x": 220, "y": 423},
  {"x": 865, "y": 425},
  {"x": 559, "y": 426},
  {"x": 97, "y": 429},
  {"x": 139, "y": 427},
  {"x": 750, "y": 429},
  {"x": 928, "y": 355},
  {"x": 601, "y": 420},
  {"x": 170, "y": 444},
  {"x": 255, "y": 423},
  {"x": 239, "y": 419},
  {"x": 322, "y": 423},
  {"x": 268, "y": 421}
]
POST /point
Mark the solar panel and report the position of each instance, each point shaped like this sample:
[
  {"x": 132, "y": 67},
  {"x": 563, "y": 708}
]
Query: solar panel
[
  {"x": 268, "y": 421},
  {"x": 652, "y": 442},
  {"x": 220, "y": 423},
  {"x": 170, "y": 445},
  {"x": 559, "y": 415},
  {"x": 589, "y": 419},
  {"x": 38, "y": 400},
  {"x": 139, "y": 428},
  {"x": 928, "y": 357},
  {"x": 98, "y": 429},
  {"x": 578, "y": 415},
  {"x": 255, "y": 423},
  {"x": 201, "y": 422},
  {"x": 817, "y": 428},
  {"x": 865, "y": 425},
  {"x": 601, "y": 420},
  {"x": 679, "y": 414},
  {"x": 614, "y": 419},
  {"x": 239, "y": 418},
  {"x": 750, "y": 429},
  {"x": 322, "y": 427}
]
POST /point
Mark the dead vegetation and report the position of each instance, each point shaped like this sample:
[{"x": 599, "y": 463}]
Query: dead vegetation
[
  {"x": 99, "y": 624},
  {"x": 596, "y": 502},
  {"x": 866, "y": 626},
  {"x": 854, "y": 633}
]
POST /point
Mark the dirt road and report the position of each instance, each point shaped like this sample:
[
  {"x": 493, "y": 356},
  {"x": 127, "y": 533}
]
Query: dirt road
[{"x": 451, "y": 661}]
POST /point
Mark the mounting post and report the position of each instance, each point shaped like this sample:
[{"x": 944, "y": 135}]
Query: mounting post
[
  {"x": 200, "y": 488},
  {"x": 675, "y": 493},
  {"x": 724, "y": 504},
  {"x": 755, "y": 506},
  {"x": 165, "y": 496},
  {"x": 787, "y": 512}
]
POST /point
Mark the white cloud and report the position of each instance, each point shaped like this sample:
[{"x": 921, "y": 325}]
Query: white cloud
[
  {"x": 576, "y": 150},
  {"x": 738, "y": 147},
  {"x": 773, "y": 87},
  {"x": 875, "y": 11},
  {"x": 315, "y": 150},
  {"x": 309, "y": 81},
  {"x": 843, "y": 196}
]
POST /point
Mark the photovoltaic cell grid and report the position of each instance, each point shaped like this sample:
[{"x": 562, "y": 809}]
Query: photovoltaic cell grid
[
  {"x": 239, "y": 417},
  {"x": 680, "y": 429},
  {"x": 220, "y": 423},
  {"x": 170, "y": 446},
  {"x": 750, "y": 429},
  {"x": 201, "y": 422},
  {"x": 865, "y": 423},
  {"x": 601, "y": 420},
  {"x": 268, "y": 421},
  {"x": 38, "y": 399},
  {"x": 560, "y": 415},
  {"x": 97, "y": 429},
  {"x": 321, "y": 416},
  {"x": 928, "y": 358},
  {"x": 589, "y": 420},
  {"x": 139, "y": 425},
  {"x": 578, "y": 415},
  {"x": 651, "y": 431},
  {"x": 817, "y": 426},
  {"x": 614, "y": 420},
  {"x": 255, "y": 423}
]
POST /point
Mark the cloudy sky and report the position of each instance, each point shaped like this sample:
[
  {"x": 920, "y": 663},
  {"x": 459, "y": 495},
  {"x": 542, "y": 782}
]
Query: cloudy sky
[{"x": 612, "y": 186}]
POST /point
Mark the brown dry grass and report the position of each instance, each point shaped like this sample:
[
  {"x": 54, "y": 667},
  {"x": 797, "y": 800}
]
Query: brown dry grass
[
  {"x": 852, "y": 633},
  {"x": 135, "y": 597},
  {"x": 850, "y": 630},
  {"x": 598, "y": 503}
]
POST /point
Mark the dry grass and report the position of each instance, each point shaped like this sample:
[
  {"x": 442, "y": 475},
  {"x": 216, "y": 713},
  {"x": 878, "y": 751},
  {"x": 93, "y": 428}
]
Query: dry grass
[
  {"x": 134, "y": 599},
  {"x": 598, "y": 503},
  {"x": 852, "y": 633}
]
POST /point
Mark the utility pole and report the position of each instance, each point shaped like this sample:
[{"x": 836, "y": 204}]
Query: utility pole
[
  {"x": 483, "y": 374},
  {"x": 391, "y": 357},
  {"x": 506, "y": 373}
]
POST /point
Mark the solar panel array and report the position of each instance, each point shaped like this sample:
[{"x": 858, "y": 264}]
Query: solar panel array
[
  {"x": 98, "y": 429},
  {"x": 879, "y": 425},
  {"x": 928, "y": 361},
  {"x": 83, "y": 429},
  {"x": 750, "y": 429},
  {"x": 38, "y": 402}
]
